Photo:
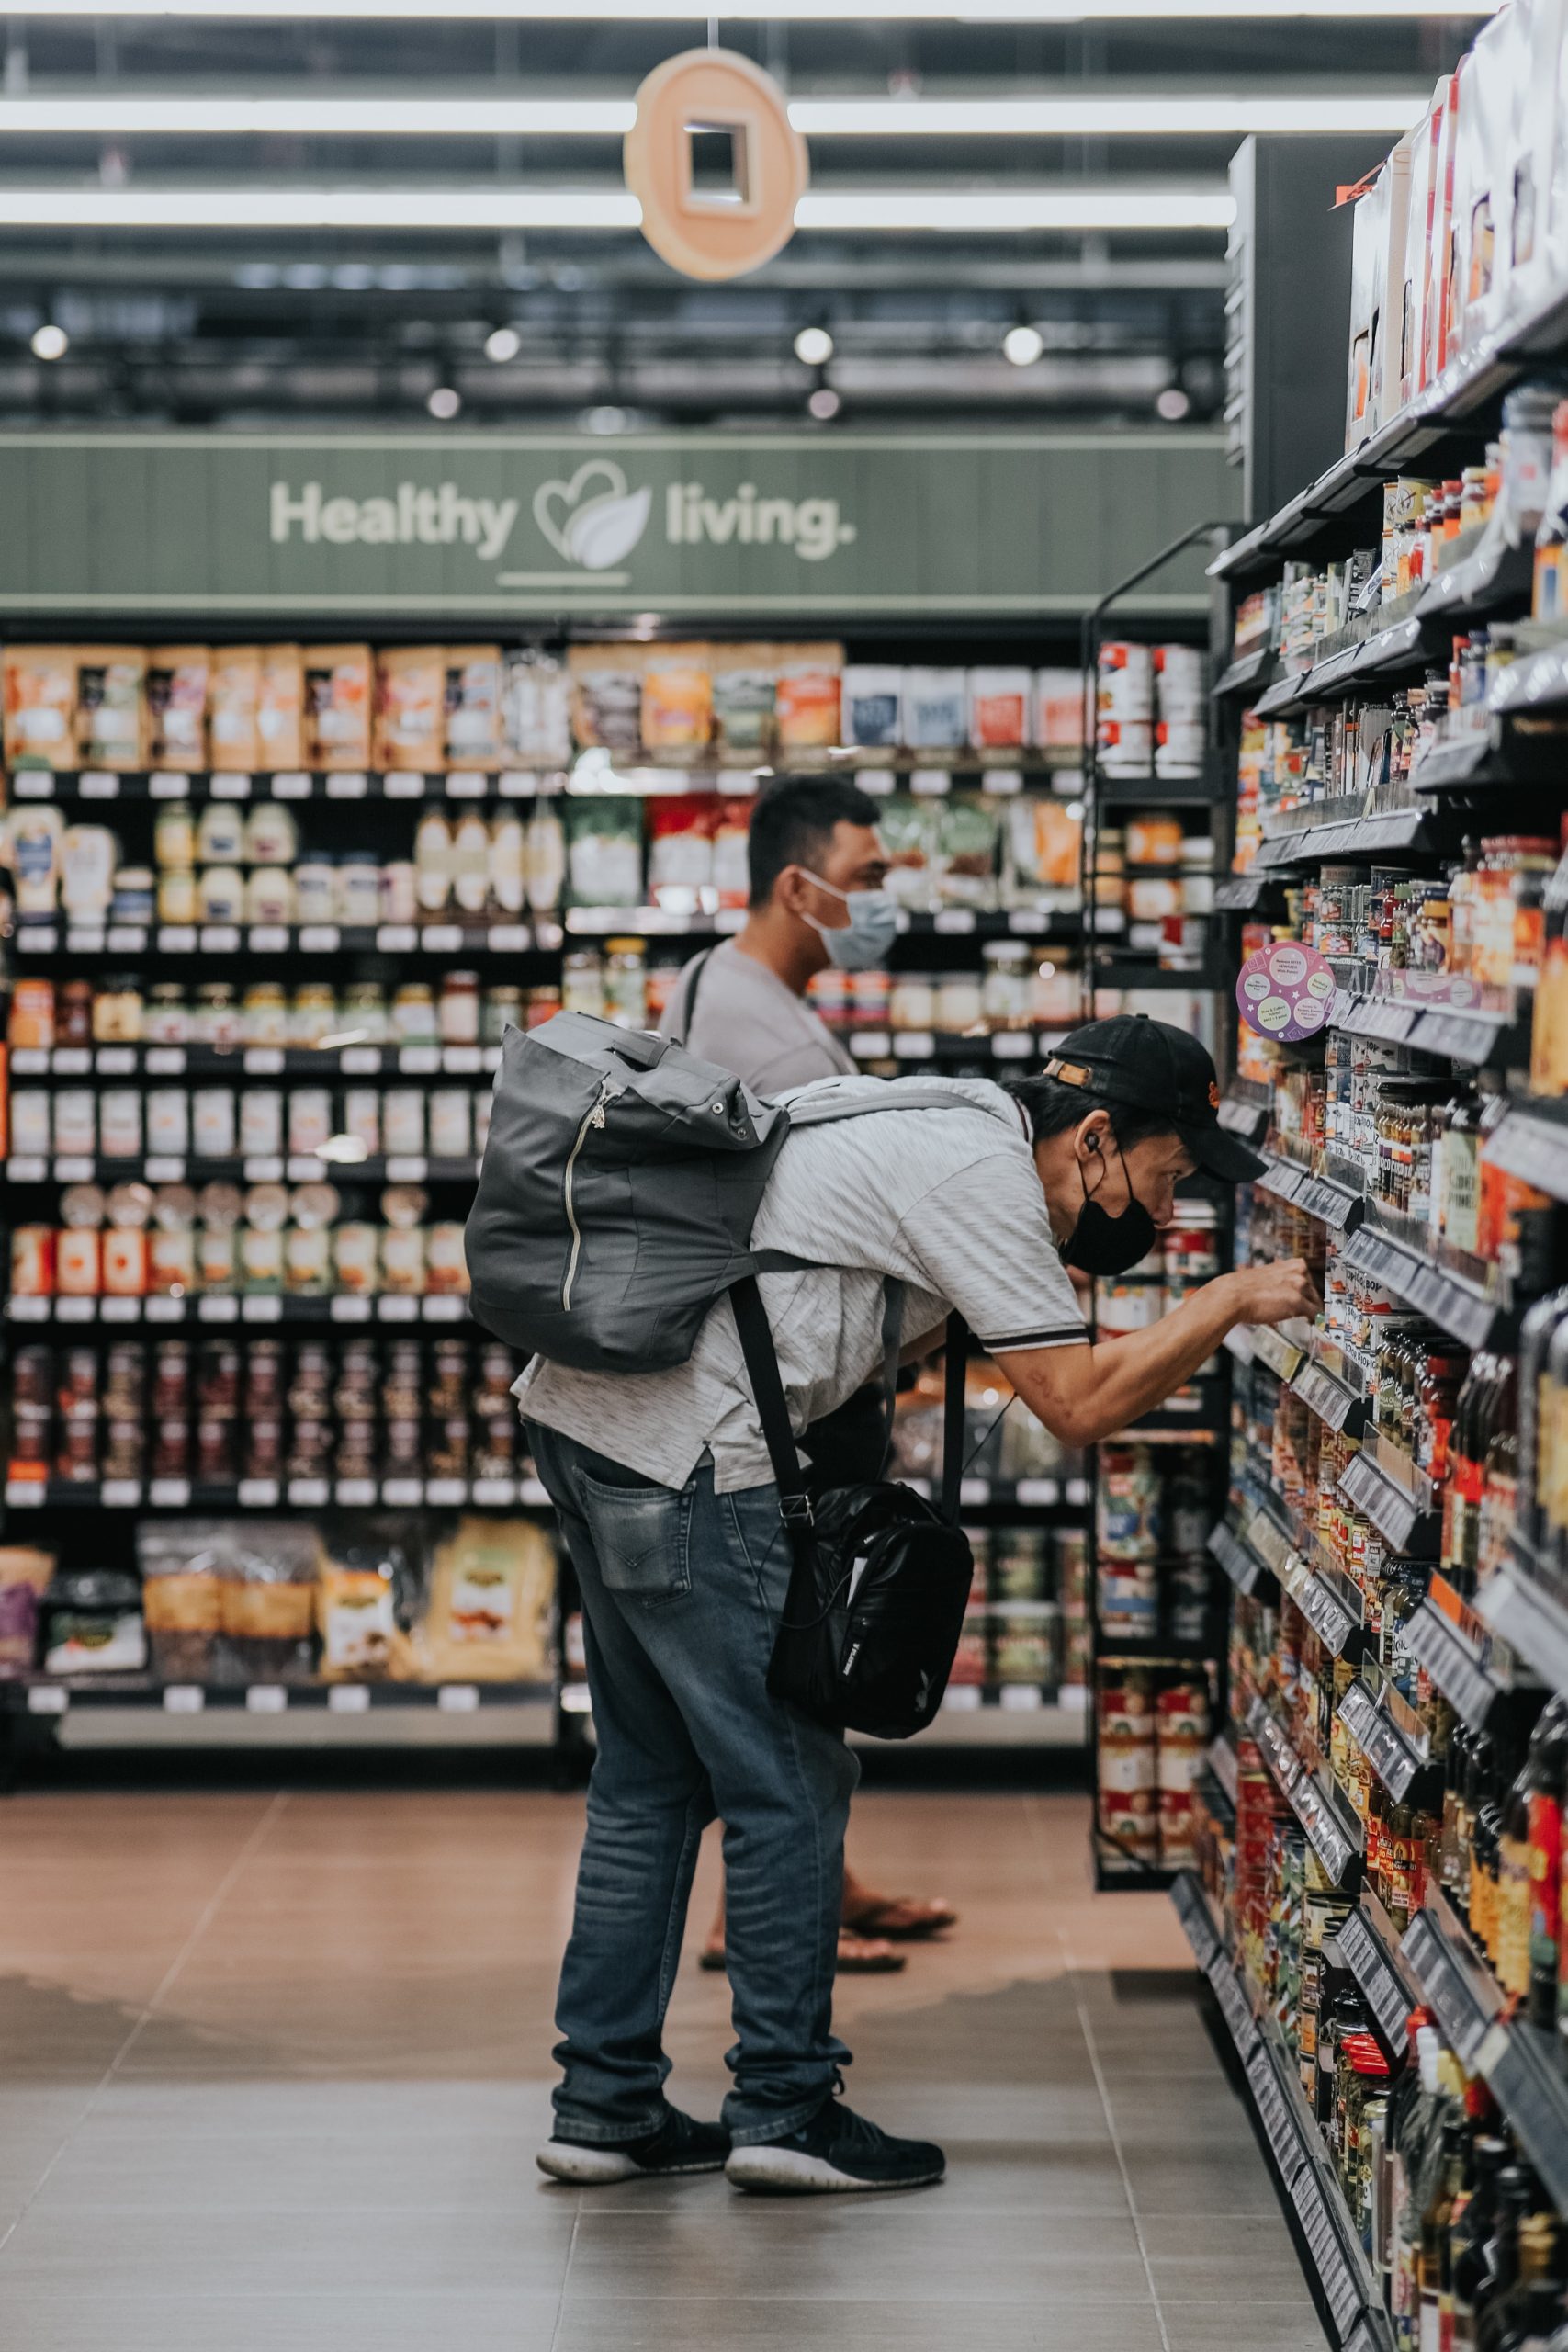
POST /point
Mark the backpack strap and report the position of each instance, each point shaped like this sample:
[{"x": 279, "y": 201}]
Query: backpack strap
[
  {"x": 772, "y": 1411},
  {"x": 681, "y": 1027},
  {"x": 818, "y": 1106}
]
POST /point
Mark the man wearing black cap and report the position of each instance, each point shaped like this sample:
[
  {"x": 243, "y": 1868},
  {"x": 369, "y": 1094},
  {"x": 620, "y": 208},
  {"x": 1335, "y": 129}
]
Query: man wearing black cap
[{"x": 975, "y": 1198}]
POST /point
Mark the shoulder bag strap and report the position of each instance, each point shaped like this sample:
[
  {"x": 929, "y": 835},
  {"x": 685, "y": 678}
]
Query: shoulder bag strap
[
  {"x": 953, "y": 1371},
  {"x": 682, "y": 1030},
  {"x": 772, "y": 1411}
]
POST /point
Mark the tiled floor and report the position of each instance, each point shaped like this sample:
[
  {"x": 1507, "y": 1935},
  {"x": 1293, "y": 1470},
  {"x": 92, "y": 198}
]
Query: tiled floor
[{"x": 273, "y": 2067}]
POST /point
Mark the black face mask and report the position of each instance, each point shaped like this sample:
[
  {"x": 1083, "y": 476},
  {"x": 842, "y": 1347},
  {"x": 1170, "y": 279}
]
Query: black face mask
[{"x": 1103, "y": 1244}]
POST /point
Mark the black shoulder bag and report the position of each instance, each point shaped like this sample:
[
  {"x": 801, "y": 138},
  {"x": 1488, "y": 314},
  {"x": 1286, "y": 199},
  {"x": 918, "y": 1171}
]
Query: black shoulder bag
[{"x": 879, "y": 1581}]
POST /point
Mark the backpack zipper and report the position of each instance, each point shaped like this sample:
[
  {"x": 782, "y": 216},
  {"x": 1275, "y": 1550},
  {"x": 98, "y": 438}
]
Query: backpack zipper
[{"x": 592, "y": 1117}]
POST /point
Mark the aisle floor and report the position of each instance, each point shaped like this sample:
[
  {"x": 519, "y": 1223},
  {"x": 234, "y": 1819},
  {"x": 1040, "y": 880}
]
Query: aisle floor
[{"x": 273, "y": 2067}]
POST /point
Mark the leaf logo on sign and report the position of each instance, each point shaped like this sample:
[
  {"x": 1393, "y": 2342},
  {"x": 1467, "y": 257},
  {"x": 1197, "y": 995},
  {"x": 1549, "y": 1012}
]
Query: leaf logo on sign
[{"x": 592, "y": 532}]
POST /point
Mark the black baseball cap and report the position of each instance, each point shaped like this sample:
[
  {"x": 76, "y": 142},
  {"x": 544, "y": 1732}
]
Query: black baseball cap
[{"x": 1152, "y": 1066}]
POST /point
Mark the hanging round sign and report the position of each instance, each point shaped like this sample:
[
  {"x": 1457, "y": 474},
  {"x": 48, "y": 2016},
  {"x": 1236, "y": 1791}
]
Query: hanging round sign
[
  {"x": 716, "y": 163},
  {"x": 1285, "y": 991}
]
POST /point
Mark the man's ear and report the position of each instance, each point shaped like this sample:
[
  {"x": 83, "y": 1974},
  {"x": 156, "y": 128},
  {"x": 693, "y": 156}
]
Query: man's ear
[{"x": 1093, "y": 1138}]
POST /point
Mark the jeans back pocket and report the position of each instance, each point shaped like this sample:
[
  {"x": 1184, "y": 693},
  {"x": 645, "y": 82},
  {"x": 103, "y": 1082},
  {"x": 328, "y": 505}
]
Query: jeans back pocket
[{"x": 640, "y": 1537}]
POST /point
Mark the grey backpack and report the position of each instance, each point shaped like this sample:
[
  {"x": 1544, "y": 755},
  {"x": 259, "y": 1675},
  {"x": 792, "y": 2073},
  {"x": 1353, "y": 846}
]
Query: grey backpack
[{"x": 620, "y": 1181}]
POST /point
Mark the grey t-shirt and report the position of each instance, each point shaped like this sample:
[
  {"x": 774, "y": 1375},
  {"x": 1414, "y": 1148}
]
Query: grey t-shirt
[
  {"x": 748, "y": 1020},
  {"x": 948, "y": 1199}
]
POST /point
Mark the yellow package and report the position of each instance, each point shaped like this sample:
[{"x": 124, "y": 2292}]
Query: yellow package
[
  {"x": 233, "y": 696},
  {"x": 40, "y": 705},
  {"x": 337, "y": 707},
  {"x": 487, "y": 1615},
  {"x": 280, "y": 708},
  {"x": 807, "y": 696},
  {"x": 677, "y": 698},
  {"x": 356, "y": 1621},
  {"x": 410, "y": 706},
  {"x": 176, "y": 706}
]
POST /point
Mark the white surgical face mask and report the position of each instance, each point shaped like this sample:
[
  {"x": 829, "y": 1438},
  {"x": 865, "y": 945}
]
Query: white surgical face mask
[{"x": 862, "y": 945}]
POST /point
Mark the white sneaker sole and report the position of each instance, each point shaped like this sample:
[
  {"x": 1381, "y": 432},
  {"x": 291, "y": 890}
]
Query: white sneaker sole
[
  {"x": 786, "y": 2172},
  {"x": 602, "y": 2167}
]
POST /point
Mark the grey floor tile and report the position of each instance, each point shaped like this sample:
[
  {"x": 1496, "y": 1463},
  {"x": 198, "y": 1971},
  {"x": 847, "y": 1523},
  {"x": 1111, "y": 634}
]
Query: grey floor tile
[
  {"x": 312, "y": 2250},
  {"x": 1207, "y": 2258},
  {"x": 359, "y": 2319},
  {"x": 1231, "y": 2177},
  {"x": 856, "y": 2250},
  {"x": 1245, "y": 2326},
  {"x": 159, "y": 2172},
  {"x": 683, "y": 2324}
]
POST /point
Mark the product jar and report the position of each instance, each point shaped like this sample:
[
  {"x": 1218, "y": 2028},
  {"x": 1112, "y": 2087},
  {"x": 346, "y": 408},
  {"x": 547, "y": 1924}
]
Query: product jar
[
  {"x": 457, "y": 1013},
  {"x": 75, "y": 1122},
  {"x": 403, "y": 1121},
  {"x": 315, "y": 900},
  {"x": 31, "y": 1022},
  {"x": 261, "y": 1123},
  {"x": 220, "y": 892},
  {"x": 213, "y": 1122},
  {"x": 451, "y": 1124}
]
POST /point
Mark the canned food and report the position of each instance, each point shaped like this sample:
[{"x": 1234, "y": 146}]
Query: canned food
[
  {"x": 78, "y": 1263},
  {"x": 125, "y": 1261},
  {"x": 33, "y": 1261}
]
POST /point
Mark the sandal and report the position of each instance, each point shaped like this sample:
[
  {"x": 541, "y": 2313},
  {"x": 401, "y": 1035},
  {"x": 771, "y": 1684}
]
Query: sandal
[
  {"x": 903, "y": 1916},
  {"x": 858, "y": 1956}
]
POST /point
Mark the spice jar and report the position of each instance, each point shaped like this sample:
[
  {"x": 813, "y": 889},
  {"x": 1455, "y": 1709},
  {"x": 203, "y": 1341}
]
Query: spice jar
[
  {"x": 413, "y": 1015},
  {"x": 264, "y": 1013},
  {"x": 217, "y": 1020},
  {"x": 313, "y": 1014},
  {"x": 457, "y": 1013},
  {"x": 31, "y": 1022},
  {"x": 116, "y": 1012}
]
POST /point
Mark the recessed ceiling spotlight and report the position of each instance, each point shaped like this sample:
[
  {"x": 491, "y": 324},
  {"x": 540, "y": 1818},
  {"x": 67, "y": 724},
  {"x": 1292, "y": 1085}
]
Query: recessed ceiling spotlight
[
  {"x": 824, "y": 403},
  {"x": 1173, "y": 403},
  {"x": 814, "y": 346},
  {"x": 50, "y": 341},
  {"x": 1022, "y": 346},
  {"x": 503, "y": 344},
  {"x": 444, "y": 403}
]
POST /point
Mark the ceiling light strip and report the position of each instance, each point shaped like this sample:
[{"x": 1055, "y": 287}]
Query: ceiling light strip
[
  {"x": 97, "y": 115},
  {"x": 664, "y": 12},
  {"x": 1155, "y": 206}
]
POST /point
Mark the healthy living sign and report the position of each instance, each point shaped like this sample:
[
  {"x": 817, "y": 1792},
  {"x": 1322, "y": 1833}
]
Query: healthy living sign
[{"x": 532, "y": 525}]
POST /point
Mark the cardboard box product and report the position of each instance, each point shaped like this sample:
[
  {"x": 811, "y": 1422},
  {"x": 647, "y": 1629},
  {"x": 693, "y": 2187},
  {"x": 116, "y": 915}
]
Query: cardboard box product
[
  {"x": 936, "y": 710},
  {"x": 999, "y": 708},
  {"x": 808, "y": 696},
  {"x": 40, "y": 705},
  {"x": 677, "y": 698},
  {"x": 337, "y": 707},
  {"x": 606, "y": 696},
  {"x": 280, "y": 706},
  {"x": 1388, "y": 263},
  {"x": 1060, "y": 709},
  {"x": 1444, "y": 261},
  {"x": 1486, "y": 158},
  {"x": 111, "y": 705},
  {"x": 744, "y": 680},
  {"x": 1416, "y": 274},
  {"x": 537, "y": 708},
  {"x": 410, "y": 706},
  {"x": 475, "y": 688},
  {"x": 1539, "y": 240},
  {"x": 176, "y": 706},
  {"x": 1368, "y": 229},
  {"x": 873, "y": 705},
  {"x": 234, "y": 689}
]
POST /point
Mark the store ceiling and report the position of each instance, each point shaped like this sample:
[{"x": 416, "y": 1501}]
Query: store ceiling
[{"x": 162, "y": 177}]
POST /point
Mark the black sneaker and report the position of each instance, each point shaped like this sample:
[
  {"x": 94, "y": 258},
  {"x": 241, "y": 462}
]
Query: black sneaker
[
  {"x": 836, "y": 2153},
  {"x": 679, "y": 2145}
]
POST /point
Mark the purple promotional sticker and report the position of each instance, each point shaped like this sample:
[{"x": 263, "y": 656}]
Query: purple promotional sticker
[{"x": 1285, "y": 991}]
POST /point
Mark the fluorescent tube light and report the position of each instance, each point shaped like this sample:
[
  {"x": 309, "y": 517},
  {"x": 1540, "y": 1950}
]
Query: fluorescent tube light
[
  {"x": 117, "y": 115},
  {"x": 967, "y": 209},
  {"x": 1100, "y": 117},
  {"x": 1014, "y": 11},
  {"x": 1155, "y": 205}
]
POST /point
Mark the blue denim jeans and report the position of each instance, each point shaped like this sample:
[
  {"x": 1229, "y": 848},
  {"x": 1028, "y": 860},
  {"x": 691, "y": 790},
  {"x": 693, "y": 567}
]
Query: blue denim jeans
[{"x": 681, "y": 1591}]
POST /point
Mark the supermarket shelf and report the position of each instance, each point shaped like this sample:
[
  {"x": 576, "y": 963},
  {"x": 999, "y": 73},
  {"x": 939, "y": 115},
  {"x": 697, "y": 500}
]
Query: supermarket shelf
[
  {"x": 1386, "y": 1744},
  {"x": 1453, "y": 1643},
  {"x": 1525, "y": 1602},
  {"x": 1531, "y": 1142},
  {"x": 1200, "y": 791},
  {"x": 1004, "y": 1715},
  {"x": 45, "y": 1695},
  {"x": 1329, "y": 2241},
  {"x": 942, "y": 1045},
  {"x": 1369, "y": 836},
  {"x": 1389, "y": 652},
  {"x": 1279, "y": 700},
  {"x": 1535, "y": 682},
  {"x": 287, "y": 784},
  {"x": 1240, "y": 1562},
  {"x": 1515, "y": 2060},
  {"x": 1243, "y": 1118},
  {"x": 1481, "y": 1040},
  {"x": 1490, "y": 579},
  {"x": 1124, "y": 972},
  {"x": 1336, "y": 1405},
  {"x": 227, "y": 1306},
  {"x": 297, "y": 1168},
  {"x": 1331, "y": 1830},
  {"x": 1221, "y": 1761},
  {"x": 206, "y": 1063},
  {"x": 1024, "y": 1494},
  {"x": 1405, "y": 1524},
  {"x": 274, "y": 1494},
  {"x": 1458, "y": 1306},
  {"x": 1332, "y": 1204},
  {"x": 1239, "y": 893},
  {"x": 1249, "y": 671},
  {"x": 1369, "y": 1945},
  {"x": 39, "y": 939}
]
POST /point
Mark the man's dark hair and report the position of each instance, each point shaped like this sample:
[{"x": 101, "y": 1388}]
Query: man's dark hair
[
  {"x": 1053, "y": 1107},
  {"x": 793, "y": 823}
]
